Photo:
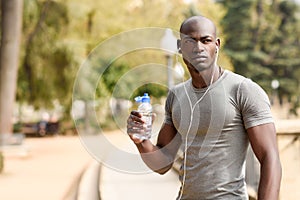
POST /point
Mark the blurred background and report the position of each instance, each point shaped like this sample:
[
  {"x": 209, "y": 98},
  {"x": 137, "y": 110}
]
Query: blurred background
[{"x": 44, "y": 43}]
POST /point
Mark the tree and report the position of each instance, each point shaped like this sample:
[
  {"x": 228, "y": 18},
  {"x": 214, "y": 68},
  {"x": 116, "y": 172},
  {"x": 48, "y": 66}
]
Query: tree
[
  {"x": 9, "y": 60},
  {"x": 11, "y": 24},
  {"x": 58, "y": 35},
  {"x": 261, "y": 42},
  {"x": 47, "y": 61},
  {"x": 237, "y": 30},
  {"x": 284, "y": 60}
]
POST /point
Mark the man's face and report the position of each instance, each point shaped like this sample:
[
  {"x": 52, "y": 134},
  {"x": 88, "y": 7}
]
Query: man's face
[{"x": 199, "y": 45}]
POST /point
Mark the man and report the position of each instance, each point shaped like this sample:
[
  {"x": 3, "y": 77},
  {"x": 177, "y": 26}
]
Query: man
[{"x": 213, "y": 116}]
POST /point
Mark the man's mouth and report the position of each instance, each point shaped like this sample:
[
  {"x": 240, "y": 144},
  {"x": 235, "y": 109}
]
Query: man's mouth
[{"x": 199, "y": 58}]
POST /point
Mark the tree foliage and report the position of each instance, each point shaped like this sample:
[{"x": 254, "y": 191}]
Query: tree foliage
[
  {"x": 262, "y": 40},
  {"x": 46, "y": 69},
  {"x": 59, "y": 35}
]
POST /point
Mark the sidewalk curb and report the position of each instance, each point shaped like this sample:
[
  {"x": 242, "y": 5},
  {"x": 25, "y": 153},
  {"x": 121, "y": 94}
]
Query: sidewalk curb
[
  {"x": 88, "y": 188},
  {"x": 72, "y": 192}
]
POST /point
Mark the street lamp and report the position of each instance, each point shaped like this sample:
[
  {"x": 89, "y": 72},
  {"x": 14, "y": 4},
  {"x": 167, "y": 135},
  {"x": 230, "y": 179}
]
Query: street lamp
[
  {"x": 275, "y": 85},
  {"x": 169, "y": 44}
]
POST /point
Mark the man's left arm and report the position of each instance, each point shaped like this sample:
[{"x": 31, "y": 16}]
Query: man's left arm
[{"x": 264, "y": 144}]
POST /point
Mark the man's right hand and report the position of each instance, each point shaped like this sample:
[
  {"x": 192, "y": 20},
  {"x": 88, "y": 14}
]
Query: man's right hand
[{"x": 135, "y": 125}]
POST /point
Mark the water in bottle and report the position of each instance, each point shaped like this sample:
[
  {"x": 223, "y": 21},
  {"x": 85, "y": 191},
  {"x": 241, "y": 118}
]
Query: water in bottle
[{"x": 145, "y": 108}]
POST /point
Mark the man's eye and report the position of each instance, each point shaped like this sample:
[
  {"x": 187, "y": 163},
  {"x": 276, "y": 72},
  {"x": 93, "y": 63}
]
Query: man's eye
[
  {"x": 207, "y": 41},
  {"x": 190, "y": 41}
]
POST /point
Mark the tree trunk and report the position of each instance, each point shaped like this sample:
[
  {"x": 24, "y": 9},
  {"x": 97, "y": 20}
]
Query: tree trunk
[{"x": 11, "y": 26}]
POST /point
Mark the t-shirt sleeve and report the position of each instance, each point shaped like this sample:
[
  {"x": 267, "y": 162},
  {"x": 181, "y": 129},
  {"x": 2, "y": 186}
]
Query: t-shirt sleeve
[
  {"x": 254, "y": 104},
  {"x": 168, "y": 108}
]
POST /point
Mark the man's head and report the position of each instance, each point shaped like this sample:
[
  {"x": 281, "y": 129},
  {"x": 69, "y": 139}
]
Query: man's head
[{"x": 198, "y": 43}]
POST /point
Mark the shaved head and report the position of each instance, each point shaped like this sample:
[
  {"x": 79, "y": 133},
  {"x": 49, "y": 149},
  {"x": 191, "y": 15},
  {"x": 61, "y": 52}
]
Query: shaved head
[{"x": 191, "y": 23}]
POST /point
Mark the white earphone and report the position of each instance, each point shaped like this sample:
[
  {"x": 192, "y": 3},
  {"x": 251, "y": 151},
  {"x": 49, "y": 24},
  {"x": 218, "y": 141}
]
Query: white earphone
[
  {"x": 179, "y": 50},
  {"x": 192, "y": 107}
]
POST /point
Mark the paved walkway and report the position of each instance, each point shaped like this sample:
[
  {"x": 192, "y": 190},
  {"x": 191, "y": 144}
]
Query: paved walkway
[
  {"x": 46, "y": 172},
  {"x": 119, "y": 184},
  {"x": 52, "y": 165},
  {"x": 122, "y": 186}
]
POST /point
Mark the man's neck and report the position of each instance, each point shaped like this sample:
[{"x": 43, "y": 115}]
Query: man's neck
[{"x": 206, "y": 77}]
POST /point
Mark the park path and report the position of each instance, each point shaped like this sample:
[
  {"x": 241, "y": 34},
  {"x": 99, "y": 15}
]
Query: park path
[
  {"x": 116, "y": 184},
  {"x": 50, "y": 166},
  {"x": 43, "y": 168}
]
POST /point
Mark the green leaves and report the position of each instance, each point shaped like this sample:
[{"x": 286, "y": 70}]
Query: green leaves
[
  {"x": 46, "y": 70},
  {"x": 262, "y": 41}
]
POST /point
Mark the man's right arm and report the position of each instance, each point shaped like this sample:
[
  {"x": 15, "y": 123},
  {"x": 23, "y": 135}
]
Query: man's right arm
[{"x": 159, "y": 157}]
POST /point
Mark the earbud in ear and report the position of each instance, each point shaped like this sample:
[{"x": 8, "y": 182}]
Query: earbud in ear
[
  {"x": 178, "y": 46},
  {"x": 179, "y": 50}
]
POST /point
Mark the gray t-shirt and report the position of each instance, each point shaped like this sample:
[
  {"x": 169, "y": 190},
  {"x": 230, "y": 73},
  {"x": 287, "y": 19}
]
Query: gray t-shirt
[{"x": 217, "y": 141}]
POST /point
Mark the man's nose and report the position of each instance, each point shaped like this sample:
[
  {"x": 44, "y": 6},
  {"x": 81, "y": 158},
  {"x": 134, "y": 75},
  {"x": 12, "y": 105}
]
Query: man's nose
[{"x": 199, "y": 46}]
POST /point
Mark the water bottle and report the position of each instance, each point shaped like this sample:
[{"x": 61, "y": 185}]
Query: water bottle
[{"x": 145, "y": 108}]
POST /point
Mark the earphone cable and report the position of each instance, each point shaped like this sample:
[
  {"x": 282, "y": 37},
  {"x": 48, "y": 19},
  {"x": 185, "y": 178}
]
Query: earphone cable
[{"x": 188, "y": 131}]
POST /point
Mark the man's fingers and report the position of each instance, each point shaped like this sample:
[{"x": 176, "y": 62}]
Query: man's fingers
[
  {"x": 135, "y": 116},
  {"x": 135, "y": 113},
  {"x": 136, "y": 126}
]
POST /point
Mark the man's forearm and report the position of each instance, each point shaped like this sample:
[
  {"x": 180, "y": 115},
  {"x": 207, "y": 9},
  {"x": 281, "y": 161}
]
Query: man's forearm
[
  {"x": 270, "y": 178},
  {"x": 154, "y": 158}
]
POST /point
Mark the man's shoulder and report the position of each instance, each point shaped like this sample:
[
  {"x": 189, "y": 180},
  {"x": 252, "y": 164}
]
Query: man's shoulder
[
  {"x": 234, "y": 77},
  {"x": 232, "y": 80},
  {"x": 243, "y": 83},
  {"x": 180, "y": 86}
]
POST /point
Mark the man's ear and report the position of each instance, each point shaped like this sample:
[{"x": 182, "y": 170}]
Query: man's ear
[
  {"x": 179, "y": 45},
  {"x": 218, "y": 43}
]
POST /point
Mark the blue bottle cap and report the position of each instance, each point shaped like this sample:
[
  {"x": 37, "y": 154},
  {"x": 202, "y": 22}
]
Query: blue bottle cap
[{"x": 146, "y": 98}]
